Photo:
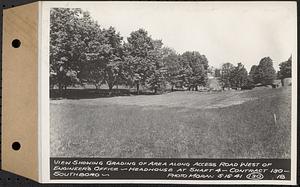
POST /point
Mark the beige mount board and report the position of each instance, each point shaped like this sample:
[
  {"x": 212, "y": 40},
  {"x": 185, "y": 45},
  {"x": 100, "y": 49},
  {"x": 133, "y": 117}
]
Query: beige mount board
[{"x": 20, "y": 91}]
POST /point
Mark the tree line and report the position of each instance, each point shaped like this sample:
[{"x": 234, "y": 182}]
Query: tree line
[
  {"x": 82, "y": 52},
  {"x": 231, "y": 76}
]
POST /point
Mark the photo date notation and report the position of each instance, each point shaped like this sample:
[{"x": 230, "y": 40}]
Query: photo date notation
[{"x": 179, "y": 169}]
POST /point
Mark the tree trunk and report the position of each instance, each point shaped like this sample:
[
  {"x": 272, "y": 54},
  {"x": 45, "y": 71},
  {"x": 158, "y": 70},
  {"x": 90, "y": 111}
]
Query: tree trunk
[
  {"x": 196, "y": 88},
  {"x": 155, "y": 90},
  {"x": 172, "y": 89},
  {"x": 110, "y": 87},
  {"x": 60, "y": 88},
  {"x": 282, "y": 82},
  {"x": 138, "y": 88},
  {"x": 65, "y": 91}
]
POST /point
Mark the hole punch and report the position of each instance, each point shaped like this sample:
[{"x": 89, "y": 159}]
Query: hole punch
[
  {"x": 16, "y": 43},
  {"x": 16, "y": 146}
]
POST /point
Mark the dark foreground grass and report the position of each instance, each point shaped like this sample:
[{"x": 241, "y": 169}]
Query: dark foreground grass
[{"x": 241, "y": 124}]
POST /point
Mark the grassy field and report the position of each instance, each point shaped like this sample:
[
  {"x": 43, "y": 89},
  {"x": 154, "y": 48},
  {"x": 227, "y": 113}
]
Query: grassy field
[{"x": 233, "y": 124}]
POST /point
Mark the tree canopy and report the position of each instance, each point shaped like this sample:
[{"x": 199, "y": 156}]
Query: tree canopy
[
  {"x": 285, "y": 69},
  {"x": 265, "y": 71},
  {"x": 226, "y": 75},
  {"x": 84, "y": 53}
]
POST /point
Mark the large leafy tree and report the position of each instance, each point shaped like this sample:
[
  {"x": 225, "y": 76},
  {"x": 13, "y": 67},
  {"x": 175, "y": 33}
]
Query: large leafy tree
[
  {"x": 92, "y": 68},
  {"x": 73, "y": 39},
  {"x": 156, "y": 74},
  {"x": 195, "y": 68},
  {"x": 81, "y": 52},
  {"x": 64, "y": 46},
  {"x": 171, "y": 63},
  {"x": 105, "y": 57},
  {"x": 253, "y": 75},
  {"x": 265, "y": 71},
  {"x": 226, "y": 75},
  {"x": 285, "y": 70},
  {"x": 239, "y": 76},
  {"x": 138, "y": 49},
  {"x": 113, "y": 56}
]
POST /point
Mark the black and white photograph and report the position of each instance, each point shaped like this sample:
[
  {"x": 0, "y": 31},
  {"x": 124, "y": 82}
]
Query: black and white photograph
[{"x": 188, "y": 80}]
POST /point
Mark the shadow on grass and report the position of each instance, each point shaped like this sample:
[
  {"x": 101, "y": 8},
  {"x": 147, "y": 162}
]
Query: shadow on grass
[{"x": 93, "y": 93}]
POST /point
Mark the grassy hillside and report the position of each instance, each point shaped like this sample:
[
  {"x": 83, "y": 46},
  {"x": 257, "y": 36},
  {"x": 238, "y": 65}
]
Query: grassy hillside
[{"x": 233, "y": 124}]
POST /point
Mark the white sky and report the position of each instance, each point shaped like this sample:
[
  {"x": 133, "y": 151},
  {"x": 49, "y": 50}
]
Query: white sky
[{"x": 223, "y": 31}]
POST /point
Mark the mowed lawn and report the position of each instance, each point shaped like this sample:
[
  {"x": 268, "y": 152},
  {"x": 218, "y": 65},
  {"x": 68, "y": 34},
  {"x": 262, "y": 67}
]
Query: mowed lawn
[{"x": 232, "y": 124}]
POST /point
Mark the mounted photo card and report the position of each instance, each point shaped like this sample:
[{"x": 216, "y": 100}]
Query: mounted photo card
[{"x": 151, "y": 92}]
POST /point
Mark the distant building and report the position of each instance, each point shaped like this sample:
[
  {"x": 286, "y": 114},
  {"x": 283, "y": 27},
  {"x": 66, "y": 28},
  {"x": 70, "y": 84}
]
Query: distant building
[
  {"x": 213, "y": 84},
  {"x": 287, "y": 82},
  {"x": 277, "y": 84},
  {"x": 210, "y": 76}
]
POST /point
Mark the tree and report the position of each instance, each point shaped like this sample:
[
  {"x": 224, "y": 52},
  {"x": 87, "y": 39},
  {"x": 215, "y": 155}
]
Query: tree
[
  {"x": 226, "y": 74},
  {"x": 104, "y": 59},
  {"x": 253, "y": 75},
  {"x": 265, "y": 71},
  {"x": 62, "y": 37},
  {"x": 171, "y": 62},
  {"x": 137, "y": 51},
  {"x": 113, "y": 55},
  {"x": 239, "y": 76},
  {"x": 71, "y": 32},
  {"x": 81, "y": 52},
  {"x": 92, "y": 69},
  {"x": 195, "y": 68},
  {"x": 156, "y": 71},
  {"x": 285, "y": 70},
  {"x": 217, "y": 72}
]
